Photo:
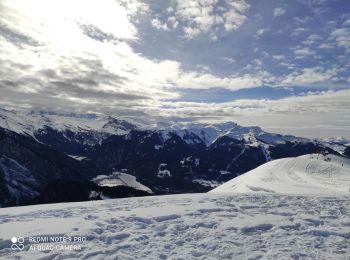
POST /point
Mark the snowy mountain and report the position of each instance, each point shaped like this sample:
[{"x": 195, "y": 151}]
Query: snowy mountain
[
  {"x": 307, "y": 174},
  {"x": 31, "y": 122},
  {"x": 197, "y": 226},
  {"x": 36, "y": 123},
  {"x": 50, "y": 157},
  {"x": 61, "y": 149}
]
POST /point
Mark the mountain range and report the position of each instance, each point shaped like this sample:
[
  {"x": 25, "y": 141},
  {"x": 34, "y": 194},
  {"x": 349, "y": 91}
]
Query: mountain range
[{"x": 48, "y": 156}]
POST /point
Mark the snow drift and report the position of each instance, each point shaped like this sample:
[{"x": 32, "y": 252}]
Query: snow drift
[{"x": 307, "y": 174}]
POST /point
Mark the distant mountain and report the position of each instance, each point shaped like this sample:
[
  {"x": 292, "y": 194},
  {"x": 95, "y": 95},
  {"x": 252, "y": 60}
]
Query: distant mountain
[
  {"x": 307, "y": 174},
  {"x": 166, "y": 157},
  {"x": 34, "y": 172}
]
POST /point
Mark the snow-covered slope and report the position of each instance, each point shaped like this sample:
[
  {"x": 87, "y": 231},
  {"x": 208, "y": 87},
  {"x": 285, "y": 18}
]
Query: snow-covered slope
[
  {"x": 201, "y": 226},
  {"x": 210, "y": 132},
  {"x": 101, "y": 126},
  {"x": 28, "y": 123},
  {"x": 120, "y": 179},
  {"x": 307, "y": 174}
]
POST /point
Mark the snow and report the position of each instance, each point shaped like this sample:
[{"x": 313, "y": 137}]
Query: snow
[
  {"x": 197, "y": 162},
  {"x": 307, "y": 174},
  {"x": 78, "y": 158},
  {"x": 197, "y": 226},
  {"x": 234, "y": 159},
  {"x": 120, "y": 179},
  {"x": 209, "y": 133},
  {"x": 102, "y": 126},
  {"x": 28, "y": 123},
  {"x": 163, "y": 173},
  {"x": 339, "y": 140},
  {"x": 158, "y": 147},
  {"x": 207, "y": 183}
]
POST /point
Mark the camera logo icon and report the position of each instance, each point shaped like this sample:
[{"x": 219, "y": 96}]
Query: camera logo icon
[{"x": 17, "y": 243}]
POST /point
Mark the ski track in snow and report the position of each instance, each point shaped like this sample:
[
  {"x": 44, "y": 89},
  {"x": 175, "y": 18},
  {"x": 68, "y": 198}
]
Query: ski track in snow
[{"x": 197, "y": 226}]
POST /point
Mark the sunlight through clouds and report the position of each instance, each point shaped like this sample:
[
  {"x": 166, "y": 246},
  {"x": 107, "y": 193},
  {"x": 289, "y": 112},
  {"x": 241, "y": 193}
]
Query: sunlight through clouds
[{"x": 130, "y": 56}]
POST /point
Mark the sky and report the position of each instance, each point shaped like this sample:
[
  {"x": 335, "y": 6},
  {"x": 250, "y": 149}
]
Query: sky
[{"x": 281, "y": 65}]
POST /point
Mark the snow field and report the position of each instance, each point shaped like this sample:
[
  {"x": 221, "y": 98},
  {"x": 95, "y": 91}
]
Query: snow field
[
  {"x": 307, "y": 174},
  {"x": 197, "y": 226}
]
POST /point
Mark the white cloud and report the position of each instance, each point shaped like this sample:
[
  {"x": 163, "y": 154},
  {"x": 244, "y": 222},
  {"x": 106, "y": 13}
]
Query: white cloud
[
  {"x": 326, "y": 45},
  {"x": 173, "y": 23},
  {"x": 63, "y": 17},
  {"x": 303, "y": 52},
  {"x": 309, "y": 76},
  {"x": 301, "y": 115},
  {"x": 300, "y": 21},
  {"x": 156, "y": 23},
  {"x": 279, "y": 11},
  {"x": 342, "y": 38},
  {"x": 312, "y": 39},
  {"x": 278, "y": 57},
  {"x": 322, "y": 102},
  {"x": 204, "y": 17},
  {"x": 205, "y": 81},
  {"x": 260, "y": 32},
  {"x": 298, "y": 31},
  {"x": 346, "y": 23},
  {"x": 56, "y": 57},
  {"x": 229, "y": 60},
  {"x": 85, "y": 61}
]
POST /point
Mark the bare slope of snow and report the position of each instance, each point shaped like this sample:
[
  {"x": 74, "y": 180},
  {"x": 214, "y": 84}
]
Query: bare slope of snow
[
  {"x": 200, "y": 226},
  {"x": 307, "y": 174}
]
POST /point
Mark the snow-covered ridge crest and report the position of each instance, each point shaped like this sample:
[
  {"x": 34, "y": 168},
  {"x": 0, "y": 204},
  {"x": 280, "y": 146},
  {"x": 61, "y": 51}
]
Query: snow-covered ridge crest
[
  {"x": 307, "y": 174},
  {"x": 101, "y": 126},
  {"x": 24, "y": 122},
  {"x": 209, "y": 133}
]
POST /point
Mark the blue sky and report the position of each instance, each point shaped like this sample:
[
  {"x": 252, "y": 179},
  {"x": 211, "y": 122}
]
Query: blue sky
[{"x": 282, "y": 65}]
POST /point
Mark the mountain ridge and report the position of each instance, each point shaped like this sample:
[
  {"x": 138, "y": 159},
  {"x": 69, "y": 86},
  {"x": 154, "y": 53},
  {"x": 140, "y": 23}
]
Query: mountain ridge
[{"x": 167, "y": 157}]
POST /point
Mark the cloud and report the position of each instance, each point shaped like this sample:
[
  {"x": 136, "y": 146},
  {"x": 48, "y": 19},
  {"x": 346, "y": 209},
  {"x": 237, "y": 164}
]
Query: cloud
[
  {"x": 317, "y": 6},
  {"x": 309, "y": 76},
  {"x": 279, "y": 11},
  {"x": 260, "y": 32},
  {"x": 312, "y": 103},
  {"x": 278, "y": 57},
  {"x": 228, "y": 60},
  {"x": 342, "y": 38},
  {"x": 312, "y": 39},
  {"x": 111, "y": 58},
  {"x": 204, "y": 81},
  {"x": 298, "y": 31},
  {"x": 346, "y": 23},
  {"x": 303, "y": 52},
  {"x": 83, "y": 61},
  {"x": 302, "y": 115},
  {"x": 205, "y": 17},
  {"x": 156, "y": 23}
]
